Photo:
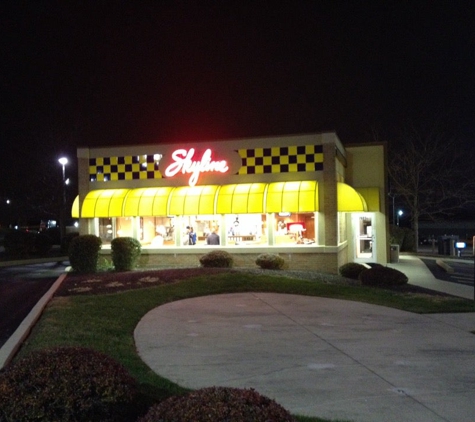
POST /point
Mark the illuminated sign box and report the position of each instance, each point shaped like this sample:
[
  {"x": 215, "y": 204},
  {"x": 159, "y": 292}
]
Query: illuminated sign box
[{"x": 460, "y": 245}]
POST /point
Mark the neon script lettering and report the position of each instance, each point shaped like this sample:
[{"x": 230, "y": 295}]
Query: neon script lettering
[{"x": 183, "y": 163}]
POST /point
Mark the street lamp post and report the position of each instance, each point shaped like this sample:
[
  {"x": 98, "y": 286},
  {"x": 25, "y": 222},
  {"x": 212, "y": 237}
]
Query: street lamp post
[
  {"x": 63, "y": 161},
  {"x": 399, "y": 214}
]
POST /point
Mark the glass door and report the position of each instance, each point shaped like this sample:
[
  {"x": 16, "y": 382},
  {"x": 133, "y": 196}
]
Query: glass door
[{"x": 363, "y": 228}]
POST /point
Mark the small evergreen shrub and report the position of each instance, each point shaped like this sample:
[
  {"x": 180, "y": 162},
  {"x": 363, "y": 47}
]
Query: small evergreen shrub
[
  {"x": 218, "y": 404},
  {"x": 383, "y": 276},
  {"x": 125, "y": 252},
  {"x": 351, "y": 270},
  {"x": 84, "y": 253},
  {"x": 217, "y": 259},
  {"x": 19, "y": 243},
  {"x": 270, "y": 261},
  {"x": 66, "y": 384}
]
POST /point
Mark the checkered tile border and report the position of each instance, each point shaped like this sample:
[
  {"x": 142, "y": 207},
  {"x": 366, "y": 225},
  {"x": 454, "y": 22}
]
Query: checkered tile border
[
  {"x": 136, "y": 167},
  {"x": 291, "y": 159},
  {"x": 304, "y": 158}
]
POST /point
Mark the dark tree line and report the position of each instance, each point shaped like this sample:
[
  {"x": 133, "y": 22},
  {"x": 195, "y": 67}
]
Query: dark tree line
[{"x": 431, "y": 174}]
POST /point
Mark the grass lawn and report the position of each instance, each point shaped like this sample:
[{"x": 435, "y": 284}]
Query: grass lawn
[{"x": 106, "y": 322}]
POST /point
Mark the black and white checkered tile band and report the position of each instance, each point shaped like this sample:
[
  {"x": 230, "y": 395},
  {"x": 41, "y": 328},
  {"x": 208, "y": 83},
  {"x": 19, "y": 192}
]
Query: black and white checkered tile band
[{"x": 303, "y": 158}]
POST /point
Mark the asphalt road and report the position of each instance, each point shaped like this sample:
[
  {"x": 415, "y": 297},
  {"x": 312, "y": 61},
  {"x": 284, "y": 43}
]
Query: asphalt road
[
  {"x": 20, "y": 289},
  {"x": 463, "y": 271}
]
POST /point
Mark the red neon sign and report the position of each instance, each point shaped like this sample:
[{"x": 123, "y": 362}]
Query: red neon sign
[{"x": 183, "y": 163}]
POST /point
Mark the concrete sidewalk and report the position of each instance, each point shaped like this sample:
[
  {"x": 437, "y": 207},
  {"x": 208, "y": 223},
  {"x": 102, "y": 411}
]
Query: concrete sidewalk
[
  {"x": 321, "y": 357},
  {"x": 420, "y": 275}
]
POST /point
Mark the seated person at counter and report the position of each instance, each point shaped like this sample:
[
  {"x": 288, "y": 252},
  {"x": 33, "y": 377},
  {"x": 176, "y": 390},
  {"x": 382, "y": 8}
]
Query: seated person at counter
[{"x": 212, "y": 238}]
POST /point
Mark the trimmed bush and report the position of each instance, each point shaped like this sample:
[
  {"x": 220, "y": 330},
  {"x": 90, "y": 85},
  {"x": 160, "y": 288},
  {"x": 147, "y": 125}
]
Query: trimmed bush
[
  {"x": 218, "y": 404},
  {"x": 217, "y": 259},
  {"x": 125, "y": 252},
  {"x": 66, "y": 384},
  {"x": 269, "y": 261},
  {"x": 84, "y": 252},
  {"x": 383, "y": 276},
  {"x": 351, "y": 270}
]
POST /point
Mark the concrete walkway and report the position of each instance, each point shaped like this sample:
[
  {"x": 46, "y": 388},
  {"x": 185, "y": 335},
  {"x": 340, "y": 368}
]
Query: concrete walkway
[
  {"x": 320, "y": 357},
  {"x": 420, "y": 275}
]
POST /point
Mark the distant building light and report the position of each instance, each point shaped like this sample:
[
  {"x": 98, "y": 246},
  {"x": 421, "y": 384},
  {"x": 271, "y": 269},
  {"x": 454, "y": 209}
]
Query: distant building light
[{"x": 460, "y": 245}]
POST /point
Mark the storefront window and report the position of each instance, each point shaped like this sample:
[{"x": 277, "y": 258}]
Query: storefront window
[
  {"x": 297, "y": 229},
  {"x": 157, "y": 231},
  {"x": 238, "y": 229},
  {"x": 246, "y": 229},
  {"x": 106, "y": 230}
]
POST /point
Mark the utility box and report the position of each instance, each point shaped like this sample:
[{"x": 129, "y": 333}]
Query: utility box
[{"x": 394, "y": 254}]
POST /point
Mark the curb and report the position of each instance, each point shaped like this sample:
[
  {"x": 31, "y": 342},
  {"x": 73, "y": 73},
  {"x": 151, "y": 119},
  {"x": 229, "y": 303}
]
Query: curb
[
  {"x": 9, "y": 349},
  {"x": 446, "y": 267},
  {"x": 33, "y": 261}
]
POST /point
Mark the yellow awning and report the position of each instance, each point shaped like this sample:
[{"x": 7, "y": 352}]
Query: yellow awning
[
  {"x": 147, "y": 202},
  {"x": 292, "y": 197},
  {"x": 104, "y": 203},
  {"x": 193, "y": 200},
  {"x": 244, "y": 198},
  {"x": 349, "y": 200},
  {"x": 75, "y": 208},
  {"x": 372, "y": 198},
  {"x": 300, "y": 196}
]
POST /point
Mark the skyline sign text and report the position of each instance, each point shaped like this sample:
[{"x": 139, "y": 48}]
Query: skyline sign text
[{"x": 184, "y": 161}]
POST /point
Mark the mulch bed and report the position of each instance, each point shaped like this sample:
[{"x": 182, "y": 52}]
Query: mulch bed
[{"x": 113, "y": 282}]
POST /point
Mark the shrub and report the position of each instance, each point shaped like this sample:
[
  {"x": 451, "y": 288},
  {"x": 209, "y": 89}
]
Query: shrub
[
  {"x": 218, "y": 404},
  {"x": 66, "y": 384},
  {"x": 270, "y": 261},
  {"x": 383, "y": 276},
  {"x": 217, "y": 259},
  {"x": 351, "y": 270},
  {"x": 125, "y": 252},
  {"x": 84, "y": 252},
  {"x": 19, "y": 244}
]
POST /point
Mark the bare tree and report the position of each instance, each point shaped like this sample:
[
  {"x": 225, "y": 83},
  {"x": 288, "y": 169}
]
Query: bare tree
[{"x": 428, "y": 173}]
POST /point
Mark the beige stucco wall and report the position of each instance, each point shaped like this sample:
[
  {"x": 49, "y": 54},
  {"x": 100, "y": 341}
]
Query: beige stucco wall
[{"x": 367, "y": 167}]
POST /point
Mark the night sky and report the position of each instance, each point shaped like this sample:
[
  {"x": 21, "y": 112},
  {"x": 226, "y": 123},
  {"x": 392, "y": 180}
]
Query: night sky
[{"x": 106, "y": 73}]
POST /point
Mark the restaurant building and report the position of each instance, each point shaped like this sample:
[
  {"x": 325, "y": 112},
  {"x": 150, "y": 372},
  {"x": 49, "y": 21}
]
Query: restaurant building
[{"x": 304, "y": 197}]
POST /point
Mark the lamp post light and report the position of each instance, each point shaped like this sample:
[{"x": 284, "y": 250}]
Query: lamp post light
[
  {"x": 399, "y": 214},
  {"x": 63, "y": 161}
]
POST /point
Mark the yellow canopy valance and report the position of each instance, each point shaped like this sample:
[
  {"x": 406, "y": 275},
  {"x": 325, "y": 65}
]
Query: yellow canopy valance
[
  {"x": 246, "y": 198},
  {"x": 349, "y": 200},
  {"x": 147, "y": 201},
  {"x": 192, "y": 200},
  {"x": 104, "y": 203},
  {"x": 292, "y": 197}
]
